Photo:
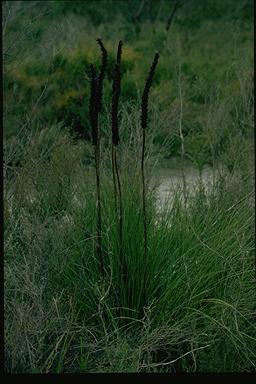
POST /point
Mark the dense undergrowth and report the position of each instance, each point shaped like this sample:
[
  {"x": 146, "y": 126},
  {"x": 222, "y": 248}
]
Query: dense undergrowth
[
  {"x": 61, "y": 313},
  {"x": 211, "y": 61}
]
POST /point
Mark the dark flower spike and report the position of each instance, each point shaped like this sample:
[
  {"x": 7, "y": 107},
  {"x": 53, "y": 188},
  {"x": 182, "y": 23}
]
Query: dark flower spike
[
  {"x": 115, "y": 96},
  {"x": 92, "y": 105},
  {"x": 144, "y": 102},
  {"x": 119, "y": 52},
  {"x": 101, "y": 74}
]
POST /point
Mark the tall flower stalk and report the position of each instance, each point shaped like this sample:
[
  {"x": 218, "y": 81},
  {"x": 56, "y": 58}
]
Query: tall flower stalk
[
  {"x": 94, "y": 110},
  {"x": 115, "y": 140},
  {"x": 144, "y": 122}
]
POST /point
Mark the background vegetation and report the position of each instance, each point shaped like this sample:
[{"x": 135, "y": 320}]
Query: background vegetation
[{"x": 60, "y": 314}]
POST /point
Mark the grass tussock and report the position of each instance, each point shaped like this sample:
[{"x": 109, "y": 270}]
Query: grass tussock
[
  {"x": 199, "y": 281},
  {"x": 98, "y": 278}
]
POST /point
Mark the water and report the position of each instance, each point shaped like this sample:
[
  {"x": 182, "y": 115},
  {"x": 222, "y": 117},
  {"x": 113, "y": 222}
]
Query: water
[{"x": 169, "y": 178}]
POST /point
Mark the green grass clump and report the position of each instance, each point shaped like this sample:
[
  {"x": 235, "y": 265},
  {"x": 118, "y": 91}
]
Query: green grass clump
[{"x": 199, "y": 300}]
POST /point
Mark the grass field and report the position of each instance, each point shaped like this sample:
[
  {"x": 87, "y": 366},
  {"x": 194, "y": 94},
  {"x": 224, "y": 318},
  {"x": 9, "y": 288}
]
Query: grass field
[{"x": 187, "y": 304}]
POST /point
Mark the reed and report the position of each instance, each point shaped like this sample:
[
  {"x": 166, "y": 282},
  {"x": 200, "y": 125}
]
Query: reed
[{"x": 144, "y": 122}]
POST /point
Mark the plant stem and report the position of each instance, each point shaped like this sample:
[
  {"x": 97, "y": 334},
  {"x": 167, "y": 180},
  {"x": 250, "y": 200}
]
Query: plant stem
[
  {"x": 144, "y": 211},
  {"x": 124, "y": 270},
  {"x": 114, "y": 175},
  {"x": 99, "y": 242}
]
